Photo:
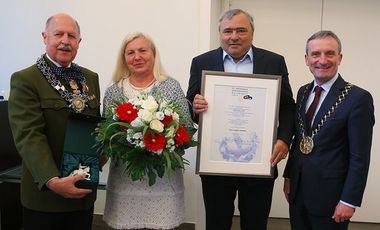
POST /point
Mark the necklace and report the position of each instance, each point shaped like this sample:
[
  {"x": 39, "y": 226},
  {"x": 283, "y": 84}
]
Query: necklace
[
  {"x": 77, "y": 99},
  {"x": 141, "y": 88},
  {"x": 307, "y": 142}
]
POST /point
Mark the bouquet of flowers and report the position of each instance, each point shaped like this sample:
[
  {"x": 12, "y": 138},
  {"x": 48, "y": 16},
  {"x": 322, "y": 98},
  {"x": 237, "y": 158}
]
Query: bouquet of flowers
[{"x": 147, "y": 134}]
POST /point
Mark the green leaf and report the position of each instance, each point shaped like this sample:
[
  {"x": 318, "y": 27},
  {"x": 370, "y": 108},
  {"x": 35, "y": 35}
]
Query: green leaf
[
  {"x": 179, "y": 159},
  {"x": 160, "y": 170},
  {"x": 168, "y": 164},
  {"x": 189, "y": 144},
  {"x": 151, "y": 177}
]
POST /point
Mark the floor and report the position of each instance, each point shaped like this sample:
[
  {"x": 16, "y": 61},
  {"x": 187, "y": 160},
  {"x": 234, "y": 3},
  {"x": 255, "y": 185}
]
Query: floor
[{"x": 273, "y": 224}]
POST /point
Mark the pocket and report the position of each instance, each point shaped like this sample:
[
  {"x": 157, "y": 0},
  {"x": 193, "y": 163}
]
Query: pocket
[
  {"x": 337, "y": 120},
  {"x": 335, "y": 173},
  {"x": 93, "y": 104},
  {"x": 55, "y": 104}
]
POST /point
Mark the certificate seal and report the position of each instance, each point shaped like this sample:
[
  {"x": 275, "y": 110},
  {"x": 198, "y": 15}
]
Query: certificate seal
[{"x": 306, "y": 145}]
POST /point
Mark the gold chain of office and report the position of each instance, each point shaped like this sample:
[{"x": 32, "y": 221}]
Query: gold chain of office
[
  {"x": 307, "y": 142},
  {"x": 78, "y": 100}
]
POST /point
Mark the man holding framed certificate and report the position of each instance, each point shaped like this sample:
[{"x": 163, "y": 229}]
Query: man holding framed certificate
[{"x": 237, "y": 54}]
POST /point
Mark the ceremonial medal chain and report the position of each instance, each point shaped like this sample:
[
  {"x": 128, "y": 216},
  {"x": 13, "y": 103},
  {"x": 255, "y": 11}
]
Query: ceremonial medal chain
[
  {"x": 307, "y": 143},
  {"x": 77, "y": 99}
]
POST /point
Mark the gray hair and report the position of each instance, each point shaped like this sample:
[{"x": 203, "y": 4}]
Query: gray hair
[
  {"x": 324, "y": 34},
  {"x": 51, "y": 18},
  {"x": 230, "y": 13}
]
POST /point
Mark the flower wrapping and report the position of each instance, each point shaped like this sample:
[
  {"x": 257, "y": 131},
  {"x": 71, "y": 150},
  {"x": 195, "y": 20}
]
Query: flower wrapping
[{"x": 147, "y": 134}]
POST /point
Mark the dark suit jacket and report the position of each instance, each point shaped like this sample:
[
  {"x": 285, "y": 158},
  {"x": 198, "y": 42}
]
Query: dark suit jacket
[
  {"x": 337, "y": 167},
  {"x": 264, "y": 62},
  {"x": 38, "y": 117}
]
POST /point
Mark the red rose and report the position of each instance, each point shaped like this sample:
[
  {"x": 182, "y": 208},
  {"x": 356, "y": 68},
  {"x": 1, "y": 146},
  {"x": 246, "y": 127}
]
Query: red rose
[
  {"x": 167, "y": 120},
  {"x": 182, "y": 136},
  {"x": 126, "y": 112},
  {"x": 154, "y": 141}
]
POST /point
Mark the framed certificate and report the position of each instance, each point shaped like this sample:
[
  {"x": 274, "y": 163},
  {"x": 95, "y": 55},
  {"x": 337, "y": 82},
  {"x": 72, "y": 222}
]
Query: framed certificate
[{"x": 237, "y": 132}]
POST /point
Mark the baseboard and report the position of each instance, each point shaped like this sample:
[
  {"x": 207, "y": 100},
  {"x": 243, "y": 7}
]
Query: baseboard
[{"x": 185, "y": 226}]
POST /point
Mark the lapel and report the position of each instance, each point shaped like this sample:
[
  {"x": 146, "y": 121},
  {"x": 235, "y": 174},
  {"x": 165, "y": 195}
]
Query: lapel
[
  {"x": 51, "y": 64},
  {"x": 304, "y": 94},
  {"x": 330, "y": 99},
  {"x": 217, "y": 62},
  {"x": 258, "y": 64}
]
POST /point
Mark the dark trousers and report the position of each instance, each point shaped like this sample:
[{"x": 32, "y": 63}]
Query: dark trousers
[
  {"x": 11, "y": 219},
  {"x": 302, "y": 219},
  {"x": 255, "y": 198},
  {"x": 10, "y": 206},
  {"x": 77, "y": 220}
]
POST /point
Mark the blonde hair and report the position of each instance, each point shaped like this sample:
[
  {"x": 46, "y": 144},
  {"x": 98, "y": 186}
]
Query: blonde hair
[{"x": 122, "y": 70}]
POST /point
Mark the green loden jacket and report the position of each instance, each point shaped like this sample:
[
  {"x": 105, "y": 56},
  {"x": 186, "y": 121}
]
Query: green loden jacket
[{"x": 38, "y": 117}]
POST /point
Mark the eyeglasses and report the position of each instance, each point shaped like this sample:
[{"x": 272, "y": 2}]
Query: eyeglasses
[{"x": 239, "y": 30}]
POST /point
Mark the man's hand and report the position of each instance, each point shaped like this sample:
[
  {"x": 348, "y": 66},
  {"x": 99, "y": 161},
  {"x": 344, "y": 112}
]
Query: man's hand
[
  {"x": 65, "y": 187},
  {"x": 286, "y": 188},
  {"x": 199, "y": 104},
  {"x": 280, "y": 151},
  {"x": 342, "y": 213}
]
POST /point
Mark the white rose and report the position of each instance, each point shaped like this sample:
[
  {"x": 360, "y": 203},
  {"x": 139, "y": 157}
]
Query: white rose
[
  {"x": 156, "y": 125},
  {"x": 160, "y": 115},
  {"x": 145, "y": 115},
  {"x": 150, "y": 98},
  {"x": 175, "y": 116},
  {"x": 168, "y": 112},
  {"x": 150, "y": 104}
]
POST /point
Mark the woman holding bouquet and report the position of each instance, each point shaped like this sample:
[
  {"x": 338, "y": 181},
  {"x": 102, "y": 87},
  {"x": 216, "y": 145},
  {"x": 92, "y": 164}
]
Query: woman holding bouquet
[{"x": 136, "y": 200}]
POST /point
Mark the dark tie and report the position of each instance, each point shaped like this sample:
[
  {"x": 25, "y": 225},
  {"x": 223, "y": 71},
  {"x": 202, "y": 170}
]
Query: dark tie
[
  {"x": 310, "y": 112},
  {"x": 67, "y": 74}
]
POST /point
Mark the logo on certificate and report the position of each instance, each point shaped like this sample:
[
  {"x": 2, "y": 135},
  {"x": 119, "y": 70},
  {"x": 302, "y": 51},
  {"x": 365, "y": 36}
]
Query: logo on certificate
[{"x": 248, "y": 97}]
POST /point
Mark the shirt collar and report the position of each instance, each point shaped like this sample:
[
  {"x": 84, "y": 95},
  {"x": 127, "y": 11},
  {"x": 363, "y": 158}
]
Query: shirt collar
[
  {"x": 327, "y": 85},
  {"x": 248, "y": 55},
  {"x": 56, "y": 63}
]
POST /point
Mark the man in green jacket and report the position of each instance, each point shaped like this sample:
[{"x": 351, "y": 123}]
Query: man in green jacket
[{"x": 41, "y": 99}]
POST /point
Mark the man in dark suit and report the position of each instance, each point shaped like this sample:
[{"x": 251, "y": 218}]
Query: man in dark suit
[
  {"x": 41, "y": 98},
  {"x": 237, "y": 54},
  {"x": 327, "y": 169}
]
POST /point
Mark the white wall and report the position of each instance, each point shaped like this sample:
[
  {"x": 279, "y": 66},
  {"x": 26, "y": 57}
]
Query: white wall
[{"x": 182, "y": 29}]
